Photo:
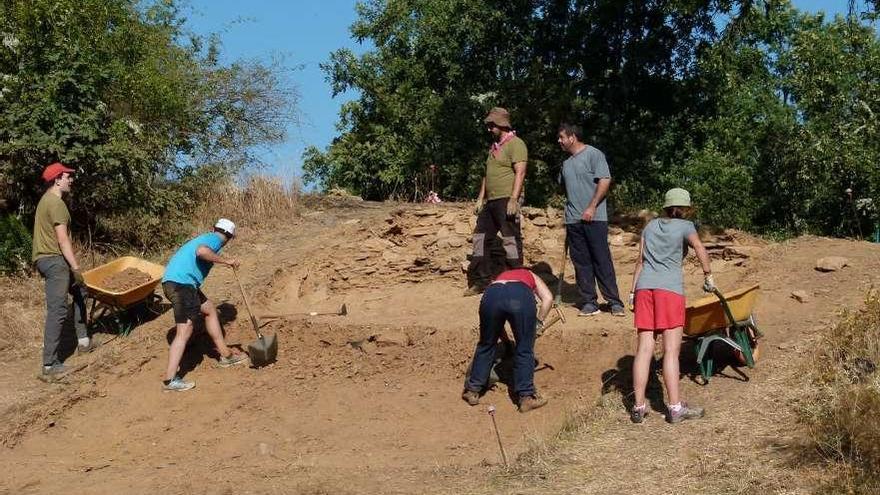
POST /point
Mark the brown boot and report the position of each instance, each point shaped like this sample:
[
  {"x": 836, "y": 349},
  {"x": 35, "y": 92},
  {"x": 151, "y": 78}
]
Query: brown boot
[
  {"x": 471, "y": 397},
  {"x": 529, "y": 402}
]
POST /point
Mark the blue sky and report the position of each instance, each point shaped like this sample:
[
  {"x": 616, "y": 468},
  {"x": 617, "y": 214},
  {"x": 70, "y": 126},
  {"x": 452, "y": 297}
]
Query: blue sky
[{"x": 304, "y": 33}]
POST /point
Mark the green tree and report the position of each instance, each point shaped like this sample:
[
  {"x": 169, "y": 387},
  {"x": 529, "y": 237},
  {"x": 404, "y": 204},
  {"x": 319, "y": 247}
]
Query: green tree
[{"x": 144, "y": 111}]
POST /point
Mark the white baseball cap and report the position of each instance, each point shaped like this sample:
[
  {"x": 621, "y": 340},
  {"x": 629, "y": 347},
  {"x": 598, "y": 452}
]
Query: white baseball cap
[{"x": 226, "y": 225}]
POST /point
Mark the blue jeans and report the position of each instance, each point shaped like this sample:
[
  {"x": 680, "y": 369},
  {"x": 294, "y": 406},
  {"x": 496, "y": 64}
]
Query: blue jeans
[
  {"x": 591, "y": 257},
  {"x": 511, "y": 302}
]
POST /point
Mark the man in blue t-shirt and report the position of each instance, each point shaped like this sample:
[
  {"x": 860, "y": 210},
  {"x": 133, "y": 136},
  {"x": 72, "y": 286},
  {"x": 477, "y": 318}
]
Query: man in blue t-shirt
[
  {"x": 184, "y": 274},
  {"x": 586, "y": 179}
]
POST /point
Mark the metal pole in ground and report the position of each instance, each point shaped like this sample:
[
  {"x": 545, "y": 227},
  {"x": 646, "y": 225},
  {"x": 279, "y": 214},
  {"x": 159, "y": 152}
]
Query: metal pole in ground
[{"x": 498, "y": 435}]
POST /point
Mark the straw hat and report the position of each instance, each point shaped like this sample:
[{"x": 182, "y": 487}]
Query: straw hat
[
  {"x": 677, "y": 197},
  {"x": 498, "y": 116}
]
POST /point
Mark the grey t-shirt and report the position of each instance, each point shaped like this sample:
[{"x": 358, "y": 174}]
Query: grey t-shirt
[
  {"x": 665, "y": 242},
  {"x": 580, "y": 174}
]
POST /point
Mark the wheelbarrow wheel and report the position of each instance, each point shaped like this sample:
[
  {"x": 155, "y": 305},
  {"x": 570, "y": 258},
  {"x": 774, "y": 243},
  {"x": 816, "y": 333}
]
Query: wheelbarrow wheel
[{"x": 752, "y": 335}]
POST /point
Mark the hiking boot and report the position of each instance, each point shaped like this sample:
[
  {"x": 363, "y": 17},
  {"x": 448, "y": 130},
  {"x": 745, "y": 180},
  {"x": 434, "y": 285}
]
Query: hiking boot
[
  {"x": 232, "y": 360},
  {"x": 177, "y": 385},
  {"x": 684, "y": 413},
  {"x": 637, "y": 414},
  {"x": 471, "y": 397},
  {"x": 589, "y": 310},
  {"x": 618, "y": 311},
  {"x": 529, "y": 402}
]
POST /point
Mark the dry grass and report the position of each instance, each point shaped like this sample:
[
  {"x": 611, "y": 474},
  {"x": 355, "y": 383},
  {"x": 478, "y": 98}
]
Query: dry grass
[
  {"x": 749, "y": 442},
  {"x": 262, "y": 201},
  {"x": 844, "y": 397},
  {"x": 21, "y": 313}
]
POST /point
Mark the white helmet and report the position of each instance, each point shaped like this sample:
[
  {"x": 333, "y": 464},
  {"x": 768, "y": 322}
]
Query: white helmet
[{"x": 226, "y": 226}]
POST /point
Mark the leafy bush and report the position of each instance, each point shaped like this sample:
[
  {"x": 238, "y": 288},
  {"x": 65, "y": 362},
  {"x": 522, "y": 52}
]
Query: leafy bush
[
  {"x": 15, "y": 244},
  {"x": 768, "y": 116},
  {"x": 120, "y": 91}
]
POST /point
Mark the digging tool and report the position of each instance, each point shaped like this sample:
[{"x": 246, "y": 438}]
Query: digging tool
[
  {"x": 264, "y": 350},
  {"x": 341, "y": 312},
  {"x": 558, "y": 299},
  {"x": 555, "y": 318},
  {"x": 491, "y": 412}
]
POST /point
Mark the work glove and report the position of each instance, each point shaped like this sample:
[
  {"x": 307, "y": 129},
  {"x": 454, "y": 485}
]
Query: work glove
[
  {"x": 709, "y": 284},
  {"x": 632, "y": 301},
  {"x": 78, "y": 277},
  {"x": 512, "y": 207}
]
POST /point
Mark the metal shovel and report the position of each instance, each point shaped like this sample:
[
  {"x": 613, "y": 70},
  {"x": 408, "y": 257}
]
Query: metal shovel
[{"x": 264, "y": 350}]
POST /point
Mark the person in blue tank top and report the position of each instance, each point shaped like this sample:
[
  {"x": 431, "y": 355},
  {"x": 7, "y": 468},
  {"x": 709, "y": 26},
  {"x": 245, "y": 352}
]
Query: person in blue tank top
[{"x": 184, "y": 274}]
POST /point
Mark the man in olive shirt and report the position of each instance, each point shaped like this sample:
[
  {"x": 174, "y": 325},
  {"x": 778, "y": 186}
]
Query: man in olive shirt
[
  {"x": 54, "y": 258},
  {"x": 501, "y": 188}
]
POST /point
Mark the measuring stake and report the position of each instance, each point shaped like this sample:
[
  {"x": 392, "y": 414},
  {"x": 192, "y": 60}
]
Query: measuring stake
[{"x": 498, "y": 435}]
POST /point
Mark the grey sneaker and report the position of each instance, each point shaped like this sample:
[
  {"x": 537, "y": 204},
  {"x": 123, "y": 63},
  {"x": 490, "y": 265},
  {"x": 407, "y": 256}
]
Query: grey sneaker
[
  {"x": 686, "y": 412},
  {"x": 637, "y": 414},
  {"x": 54, "y": 370},
  {"x": 471, "y": 397},
  {"x": 618, "y": 311},
  {"x": 232, "y": 360},
  {"x": 178, "y": 385},
  {"x": 589, "y": 310}
]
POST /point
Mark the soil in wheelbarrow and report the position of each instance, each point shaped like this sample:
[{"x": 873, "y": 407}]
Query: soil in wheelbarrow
[{"x": 125, "y": 280}]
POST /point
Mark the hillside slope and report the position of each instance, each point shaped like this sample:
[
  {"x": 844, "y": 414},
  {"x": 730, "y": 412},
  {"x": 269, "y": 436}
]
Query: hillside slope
[{"x": 369, "y": 402}]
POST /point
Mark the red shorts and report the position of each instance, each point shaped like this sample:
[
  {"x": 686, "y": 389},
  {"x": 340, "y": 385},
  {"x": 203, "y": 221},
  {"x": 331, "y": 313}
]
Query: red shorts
[{"x": 658, "y": 310}]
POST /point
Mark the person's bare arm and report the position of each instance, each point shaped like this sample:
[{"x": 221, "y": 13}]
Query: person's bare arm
[
  {"x": 207, "y": 254},
  {"x": 519, "y": 169},
  {"x": 66, "y": 246},
  {"x": 545, "y": 297},
  {"x": 695, "y": 242},
  {"x": 480, "y": 197},
  {"x": 601, "y": 191},
  {"x": 639, "y": 263}
]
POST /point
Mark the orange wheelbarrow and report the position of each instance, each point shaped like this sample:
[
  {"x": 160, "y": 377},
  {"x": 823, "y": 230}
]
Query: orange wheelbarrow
[{"x": 727, "y": 319}]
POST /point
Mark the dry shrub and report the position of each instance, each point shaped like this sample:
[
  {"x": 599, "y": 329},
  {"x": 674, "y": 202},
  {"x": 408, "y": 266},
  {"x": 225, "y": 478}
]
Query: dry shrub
[
  {"x": 845, "y": 397},
  {"x": 260, "y": 201},
  {"x": 21, "y": 312}
]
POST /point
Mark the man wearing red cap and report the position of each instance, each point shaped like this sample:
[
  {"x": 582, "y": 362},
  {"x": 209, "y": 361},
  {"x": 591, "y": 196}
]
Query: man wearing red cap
[{"x": 55, "y": 260}]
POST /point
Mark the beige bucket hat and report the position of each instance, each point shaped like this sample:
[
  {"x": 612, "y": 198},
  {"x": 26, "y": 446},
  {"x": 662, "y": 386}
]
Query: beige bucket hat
[
  {"x": 498, "y": 116},
  {"x": 677, "y": 197}
]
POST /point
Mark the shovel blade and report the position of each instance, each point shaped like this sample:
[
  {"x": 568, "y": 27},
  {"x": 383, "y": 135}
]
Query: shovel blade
[{"x": 263, "y": 351}]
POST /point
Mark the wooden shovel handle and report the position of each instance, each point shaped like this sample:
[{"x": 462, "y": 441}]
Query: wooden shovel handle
[{"x": 247, "y": 303}]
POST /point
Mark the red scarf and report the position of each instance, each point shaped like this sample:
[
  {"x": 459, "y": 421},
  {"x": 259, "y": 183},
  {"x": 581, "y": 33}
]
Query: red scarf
[{"x": 496, "y": 147}]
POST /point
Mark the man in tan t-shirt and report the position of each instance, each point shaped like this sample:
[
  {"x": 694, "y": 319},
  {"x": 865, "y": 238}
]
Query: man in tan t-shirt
[
  {"x": 502, "y": 189},
  {"x": 55, "y": 260}
]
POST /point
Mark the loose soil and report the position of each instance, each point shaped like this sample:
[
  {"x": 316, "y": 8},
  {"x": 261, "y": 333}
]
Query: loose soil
[
  {"x": 125, "y": 280},
  {"x": 369, "y": 402}
]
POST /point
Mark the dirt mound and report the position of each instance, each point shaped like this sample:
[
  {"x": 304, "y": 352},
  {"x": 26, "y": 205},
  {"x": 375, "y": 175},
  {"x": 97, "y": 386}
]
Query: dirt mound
[{"x": 125, "y": 280}]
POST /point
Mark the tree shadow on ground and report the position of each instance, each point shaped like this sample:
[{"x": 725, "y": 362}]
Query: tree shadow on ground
[{"x": 200, "y": 343}]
